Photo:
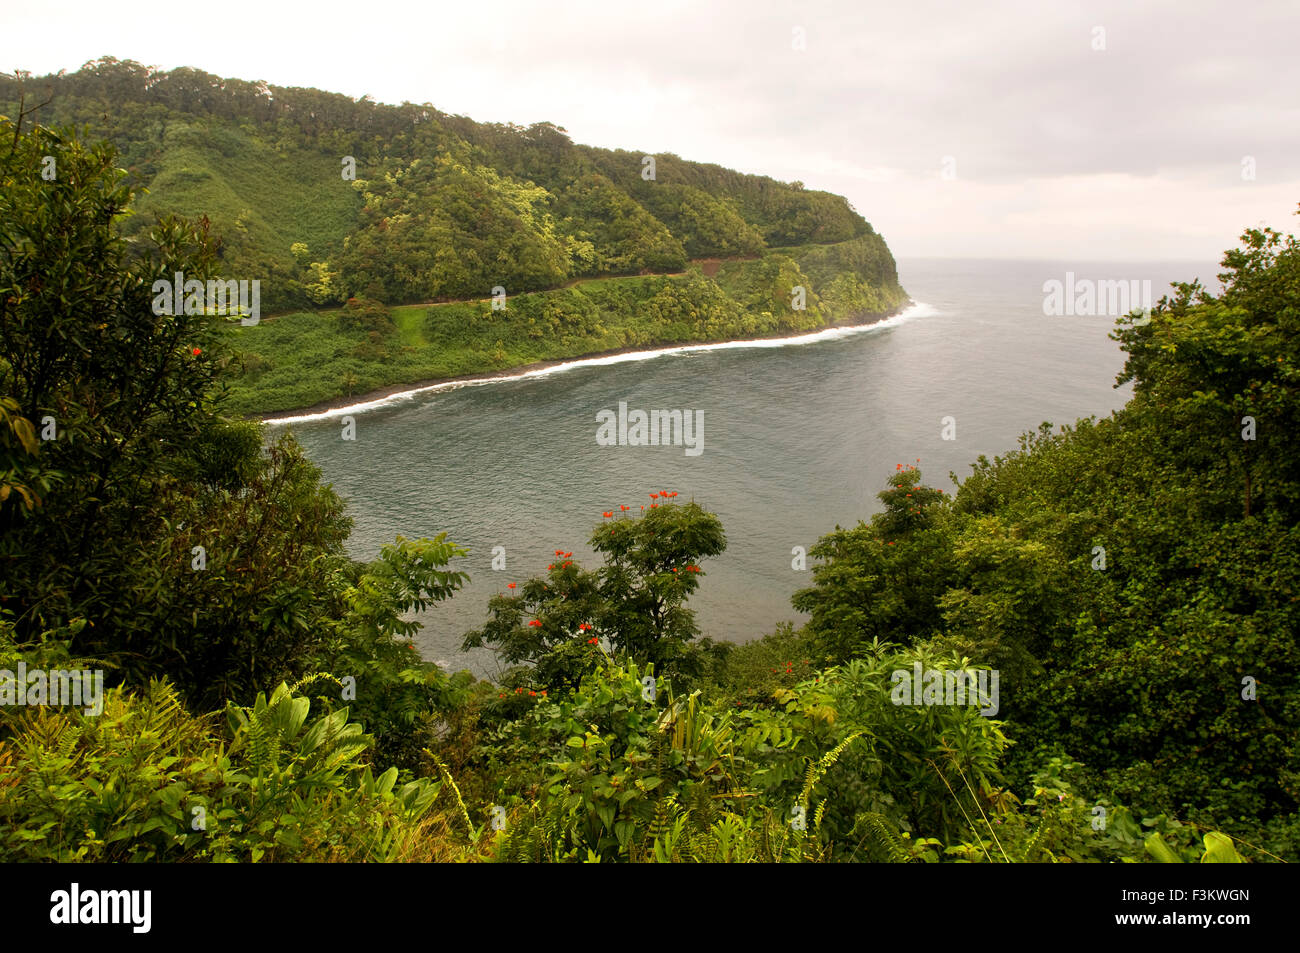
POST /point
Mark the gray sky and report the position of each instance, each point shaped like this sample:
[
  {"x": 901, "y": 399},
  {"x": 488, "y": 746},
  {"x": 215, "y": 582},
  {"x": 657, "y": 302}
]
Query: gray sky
[{"x": 1056, "y": 148}]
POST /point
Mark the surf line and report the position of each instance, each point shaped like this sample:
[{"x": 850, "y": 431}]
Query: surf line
[{"x": 914, "y": 310}]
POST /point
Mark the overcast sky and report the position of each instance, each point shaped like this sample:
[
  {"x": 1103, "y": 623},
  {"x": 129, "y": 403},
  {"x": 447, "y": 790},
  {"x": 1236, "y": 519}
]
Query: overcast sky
[{"x": 1033, "y": 129}]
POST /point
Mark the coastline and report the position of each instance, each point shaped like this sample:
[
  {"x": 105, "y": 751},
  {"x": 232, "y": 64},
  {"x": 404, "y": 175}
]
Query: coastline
[{"x": 373, "y": 399}]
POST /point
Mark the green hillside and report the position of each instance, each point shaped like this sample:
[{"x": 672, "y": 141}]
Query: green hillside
[
  {"x": 323, "y": 199},
  {"x": 307, "y": 358},
  {"x": 257, "y": 199}
]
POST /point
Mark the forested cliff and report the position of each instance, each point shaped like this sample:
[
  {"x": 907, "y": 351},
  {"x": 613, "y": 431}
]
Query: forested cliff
[{"x": 323, "y": 197}]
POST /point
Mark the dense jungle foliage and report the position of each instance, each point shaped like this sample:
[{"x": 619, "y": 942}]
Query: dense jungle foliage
[{"x": 1133, "y": 580}]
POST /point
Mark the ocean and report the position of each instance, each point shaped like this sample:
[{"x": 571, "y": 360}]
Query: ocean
[{"x": 794, "y": 436}]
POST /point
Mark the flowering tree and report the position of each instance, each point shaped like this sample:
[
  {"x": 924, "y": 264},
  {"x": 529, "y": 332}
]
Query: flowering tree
[{"x": 634, "y": 605}]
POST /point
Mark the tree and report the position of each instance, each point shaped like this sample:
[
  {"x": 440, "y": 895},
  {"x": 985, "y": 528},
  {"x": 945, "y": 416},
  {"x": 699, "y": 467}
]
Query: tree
[
  {"x": 636, "y": 603},
  {"x": 651, "y": 569},
  {"x": 1224, "y": 369},
  {"x": 321, "y": 284},
  {"x": 118, "y": 393},
  {"x": 882, "y": 580},
  {"x": 187, "y": 549}
]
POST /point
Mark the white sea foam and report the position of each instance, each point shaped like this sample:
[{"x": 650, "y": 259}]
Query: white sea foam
[{"x": 914, "y": 310}]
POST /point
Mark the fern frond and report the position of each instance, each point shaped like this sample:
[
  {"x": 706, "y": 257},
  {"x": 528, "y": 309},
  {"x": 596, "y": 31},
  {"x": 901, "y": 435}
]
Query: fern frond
[
  {"x": 882, "y": 836},
  {"x": 451, "y": 782}
]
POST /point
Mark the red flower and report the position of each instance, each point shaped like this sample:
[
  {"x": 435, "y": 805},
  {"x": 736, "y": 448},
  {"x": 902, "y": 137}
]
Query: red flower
[
  {"x": 543, "y": 692},
  {"x": 559, "y": 552},
  {"x": 654, "y": 496},
  {"x": 551, "y": 566},
  {"x": 519, "y": 691},
  {"x": 608, "y": 513},
  {"x": 567, "y": 555},
  {"x": 532, "y": 694},
  {"x": 593, "y": 641},
  {"x": 197, "y": 352},
  {"x": 535, "y": 623},
  {"x": 654, "y": 506},
  {"x": 673, "y": 493},
  {"x": 624, "y": 508},
  {"x": 510, "y": 585},
  {"x": 502, "y": 695}
]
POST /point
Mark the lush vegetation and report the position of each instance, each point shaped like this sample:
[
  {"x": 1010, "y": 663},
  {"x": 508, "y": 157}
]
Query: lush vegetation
[
  {"x": 1132, "y": 580},
  {"x": 325, "y": 200},
  {"x": 303, "y": 359}
]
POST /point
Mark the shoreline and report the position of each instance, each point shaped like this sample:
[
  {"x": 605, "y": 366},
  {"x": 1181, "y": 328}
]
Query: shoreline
[{"x": 372, "y": 399}]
